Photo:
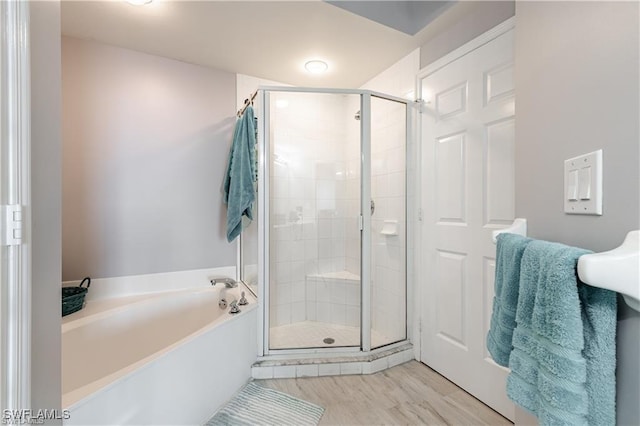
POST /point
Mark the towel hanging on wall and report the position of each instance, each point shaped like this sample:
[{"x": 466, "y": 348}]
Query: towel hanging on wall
[
  {"x": 509, "y": 251},
  {"x": 564, "y": 349},
  {"x": 239, "y": 194}
]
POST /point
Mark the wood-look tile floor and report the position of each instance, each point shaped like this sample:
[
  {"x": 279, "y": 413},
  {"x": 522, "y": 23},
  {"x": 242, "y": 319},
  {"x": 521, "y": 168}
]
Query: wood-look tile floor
[{"x": 408, "y": 394}]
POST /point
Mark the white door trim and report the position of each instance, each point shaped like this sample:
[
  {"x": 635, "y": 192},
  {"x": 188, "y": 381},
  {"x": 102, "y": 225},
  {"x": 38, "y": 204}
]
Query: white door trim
[
  {"x": 15, "y": 170},
  {"x": 472, "y": 45}
]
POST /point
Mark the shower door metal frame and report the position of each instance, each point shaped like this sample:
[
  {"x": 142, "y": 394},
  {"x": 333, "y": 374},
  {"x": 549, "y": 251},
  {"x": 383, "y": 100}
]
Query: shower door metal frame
[
  {"x": 365, "y": 215},
  {"x": 263, "y": 210},
  {"x": 409, "y": 207},
  {"x": 264, "y": 140}
]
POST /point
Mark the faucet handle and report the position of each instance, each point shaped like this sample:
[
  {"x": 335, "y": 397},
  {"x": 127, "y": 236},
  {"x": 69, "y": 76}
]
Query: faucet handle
[
  {"x": 243, "y": 300},
  {"x": 234, "y": 307},
  {"x": 222, "y": 303}
]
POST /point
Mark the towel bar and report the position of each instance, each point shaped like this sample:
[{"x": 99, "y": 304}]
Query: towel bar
[
  {"x": 617, "y": 269},
  {"x": 519, "y": 226}
]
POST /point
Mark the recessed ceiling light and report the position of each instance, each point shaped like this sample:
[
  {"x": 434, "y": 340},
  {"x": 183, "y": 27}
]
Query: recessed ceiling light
[
  {"x": 139, "y": 2},
  {"x": 316, "y": 66}
]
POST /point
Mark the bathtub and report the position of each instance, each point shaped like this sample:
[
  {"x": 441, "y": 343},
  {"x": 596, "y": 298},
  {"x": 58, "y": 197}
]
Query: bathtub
[{"x": 164, "y": 358}]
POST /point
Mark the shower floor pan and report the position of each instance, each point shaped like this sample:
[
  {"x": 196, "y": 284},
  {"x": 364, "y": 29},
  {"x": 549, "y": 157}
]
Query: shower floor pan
[{"x": 312, "y": 334}]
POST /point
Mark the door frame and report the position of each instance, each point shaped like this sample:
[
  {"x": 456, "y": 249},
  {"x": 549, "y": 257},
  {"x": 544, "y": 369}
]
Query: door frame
[
  {"x": 15, "y": 190},
  {"x": 481, "y": 40}
]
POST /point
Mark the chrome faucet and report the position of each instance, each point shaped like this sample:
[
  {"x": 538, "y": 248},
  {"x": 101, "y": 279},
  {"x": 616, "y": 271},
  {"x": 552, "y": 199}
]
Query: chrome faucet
[
  {"x": 228, "y": 282},
  {"x": 234, "y": 308}
]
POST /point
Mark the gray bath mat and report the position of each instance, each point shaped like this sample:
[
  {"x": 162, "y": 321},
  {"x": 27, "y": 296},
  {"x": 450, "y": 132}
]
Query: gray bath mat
[{"x": 257, "y": 405}]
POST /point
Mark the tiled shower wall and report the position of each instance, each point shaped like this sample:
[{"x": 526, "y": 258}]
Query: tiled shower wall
[
  {"x": 315, "y": 204},
  {"x": 308, "y": 202},
  {"x": 388, "y": 191},
  {"x": 388, "y": 254}
]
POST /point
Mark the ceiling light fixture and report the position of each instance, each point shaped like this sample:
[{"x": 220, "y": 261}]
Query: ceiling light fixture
[
  {"x": 316, "y": 66},
  {"x": 139, "y": 2}
]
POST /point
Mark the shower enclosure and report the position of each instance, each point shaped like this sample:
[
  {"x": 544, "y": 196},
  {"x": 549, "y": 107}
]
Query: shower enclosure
[{"x": 327, "y": 252}]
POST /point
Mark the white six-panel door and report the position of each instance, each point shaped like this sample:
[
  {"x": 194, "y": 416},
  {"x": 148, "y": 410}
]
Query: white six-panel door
[{"x": 467, "y": 192}]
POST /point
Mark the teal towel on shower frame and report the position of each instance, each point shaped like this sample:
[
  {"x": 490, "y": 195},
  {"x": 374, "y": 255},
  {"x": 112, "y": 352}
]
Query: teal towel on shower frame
[
  {"x": 564, "y": 355},
  {"x": 239, "y": 193},
  {"x": 509, "y": 250}
]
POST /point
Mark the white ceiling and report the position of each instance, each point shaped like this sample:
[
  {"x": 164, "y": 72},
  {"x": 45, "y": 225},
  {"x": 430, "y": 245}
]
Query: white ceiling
[{"x": 267, "y": 39}]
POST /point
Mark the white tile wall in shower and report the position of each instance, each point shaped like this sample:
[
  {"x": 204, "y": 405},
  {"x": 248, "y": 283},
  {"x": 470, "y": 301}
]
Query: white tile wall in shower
[
  {"x": 308, "y": 199},
  {"x": 353, "y": 190},
  {"x": 316, "y": 202},
  {"x": 388, "y": 190}
]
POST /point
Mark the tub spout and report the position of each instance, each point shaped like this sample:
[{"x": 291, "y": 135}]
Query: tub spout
[{"x": 228, "y": 282}]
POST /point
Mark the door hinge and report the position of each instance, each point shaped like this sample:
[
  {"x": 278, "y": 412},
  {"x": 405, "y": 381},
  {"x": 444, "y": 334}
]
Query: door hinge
[
  {"x": 12, "y": 219},
  {"x": 419, "y": 215},
  {"x": 361, "y": 222}
]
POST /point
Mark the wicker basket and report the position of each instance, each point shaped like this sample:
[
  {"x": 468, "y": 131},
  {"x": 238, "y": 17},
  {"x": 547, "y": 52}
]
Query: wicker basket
[{"x": 73, "y": 297}]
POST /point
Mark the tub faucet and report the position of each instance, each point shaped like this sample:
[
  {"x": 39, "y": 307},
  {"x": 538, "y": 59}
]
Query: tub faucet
[{"x": 228, "y": 282}]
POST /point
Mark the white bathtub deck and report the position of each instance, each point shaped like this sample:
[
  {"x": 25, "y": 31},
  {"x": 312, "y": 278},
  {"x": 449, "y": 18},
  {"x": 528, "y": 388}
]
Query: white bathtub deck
[{"x": 97, "y": 307}]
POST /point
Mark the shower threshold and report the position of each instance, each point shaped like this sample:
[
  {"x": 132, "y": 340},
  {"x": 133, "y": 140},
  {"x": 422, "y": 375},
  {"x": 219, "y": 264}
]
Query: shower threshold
[{"x": 323, "y": 364}]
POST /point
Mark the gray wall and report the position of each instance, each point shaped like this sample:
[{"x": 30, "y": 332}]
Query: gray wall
[
  {"x": 46, "y": 149},
  {"x": 460, "y": 24},
  {"x": 145, "y": 145},
  {"x": 577, "y": 85}
]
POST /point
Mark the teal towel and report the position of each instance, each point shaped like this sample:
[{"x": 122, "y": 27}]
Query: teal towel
[
  {"x": 563, "y": 359},
  {"x": 239, "y": 193},
  {"x": 509, "y": 250}
]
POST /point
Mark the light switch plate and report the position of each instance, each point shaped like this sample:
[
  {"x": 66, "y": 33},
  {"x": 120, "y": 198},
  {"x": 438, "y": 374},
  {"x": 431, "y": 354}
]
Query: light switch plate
[{"x": 588, "y": 186}]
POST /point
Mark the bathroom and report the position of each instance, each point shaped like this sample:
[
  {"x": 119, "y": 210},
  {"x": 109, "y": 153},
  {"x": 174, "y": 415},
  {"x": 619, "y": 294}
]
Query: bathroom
[{"x": 137, "y": 192}]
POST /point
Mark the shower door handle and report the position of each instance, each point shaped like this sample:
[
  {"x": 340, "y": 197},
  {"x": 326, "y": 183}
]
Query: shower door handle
[{"x": 373, "y": 207}]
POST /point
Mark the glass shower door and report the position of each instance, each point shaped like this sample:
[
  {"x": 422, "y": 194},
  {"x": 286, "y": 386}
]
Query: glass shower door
[
  {"x": 314, "y": 208},
  {"x": 388, "y": 221}
]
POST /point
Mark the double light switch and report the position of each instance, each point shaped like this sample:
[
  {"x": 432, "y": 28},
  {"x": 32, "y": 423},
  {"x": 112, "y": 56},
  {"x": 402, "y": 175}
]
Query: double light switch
[{"x": 583, "y": 184}]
